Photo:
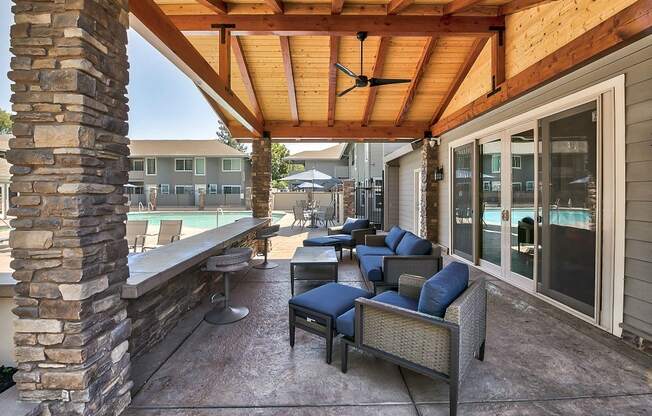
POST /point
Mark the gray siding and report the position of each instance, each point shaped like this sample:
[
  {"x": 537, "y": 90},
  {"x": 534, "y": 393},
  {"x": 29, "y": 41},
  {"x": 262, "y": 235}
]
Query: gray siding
[
  {"x": 635, "y": 61},
  {"x": 406, "y": 199},
  {"x": 392, "y": 188}
]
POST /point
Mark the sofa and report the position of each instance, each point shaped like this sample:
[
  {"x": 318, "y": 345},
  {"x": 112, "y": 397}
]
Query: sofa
[{"x": 383, "y": 258}]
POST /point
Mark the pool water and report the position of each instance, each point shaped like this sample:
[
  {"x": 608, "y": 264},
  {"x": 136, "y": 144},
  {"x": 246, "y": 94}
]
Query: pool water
[
  {"x": 570, "y": 217},
  {"x": 197, "y": 220}
]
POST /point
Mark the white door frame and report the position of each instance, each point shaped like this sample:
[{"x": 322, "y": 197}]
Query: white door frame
[{"x": 416, "y": 188}]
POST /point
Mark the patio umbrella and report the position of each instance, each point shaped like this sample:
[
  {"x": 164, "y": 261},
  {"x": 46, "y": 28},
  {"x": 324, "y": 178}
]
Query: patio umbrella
[
  {"x": 306, "y": 185},
  {"x": 311, "y": 175}
]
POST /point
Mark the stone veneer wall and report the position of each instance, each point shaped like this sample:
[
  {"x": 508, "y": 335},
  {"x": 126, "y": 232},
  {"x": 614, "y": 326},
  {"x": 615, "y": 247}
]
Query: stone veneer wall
[
  {"x": 429, "y": 192},
  {"x": 348, "y": 198},
  {"x": 261, "y": 177},
  {"x": 69, "y": 159},
  {"x": 156, "y": 313}
]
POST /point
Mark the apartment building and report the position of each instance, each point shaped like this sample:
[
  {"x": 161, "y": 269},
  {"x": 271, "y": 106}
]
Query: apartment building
[{"x": 180, "y": 173}]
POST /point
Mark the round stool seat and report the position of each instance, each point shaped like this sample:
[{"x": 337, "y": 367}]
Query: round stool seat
[
  {"x": 233, "y": 260},
  {"x": 264, "y": 234}
]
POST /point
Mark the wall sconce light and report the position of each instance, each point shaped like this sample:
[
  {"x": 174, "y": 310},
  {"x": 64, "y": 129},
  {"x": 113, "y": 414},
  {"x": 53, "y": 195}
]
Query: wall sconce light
[
  {"x": 434, "y": 141},
  {"x": 439, "y": 174}
]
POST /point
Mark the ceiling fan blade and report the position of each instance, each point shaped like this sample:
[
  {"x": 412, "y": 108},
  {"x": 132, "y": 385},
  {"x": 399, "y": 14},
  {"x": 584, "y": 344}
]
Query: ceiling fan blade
[
  {"x": 346, "y": 91},
  {"x": 346, "y": 70},
  {"x": 374, "y": 82}
]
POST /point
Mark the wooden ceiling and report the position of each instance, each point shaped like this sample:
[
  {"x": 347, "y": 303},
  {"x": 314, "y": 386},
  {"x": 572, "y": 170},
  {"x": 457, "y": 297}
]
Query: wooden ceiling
[{"x": 277, "y": 77}]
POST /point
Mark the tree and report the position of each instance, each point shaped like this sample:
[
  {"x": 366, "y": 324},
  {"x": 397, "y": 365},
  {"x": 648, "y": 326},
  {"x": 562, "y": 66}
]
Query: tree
[
  {"x": 281, "y": 167},
  {"x": 5, "y": 122},
  {"x": 225, "y": 137}
]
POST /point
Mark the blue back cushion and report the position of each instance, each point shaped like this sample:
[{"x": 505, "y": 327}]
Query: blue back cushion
[
  {"x": 443, "y": 288},
  {"x": 354, "y": 224},
  {"x": 394, "y": 237},
  {"x": 411, "y": 245}
]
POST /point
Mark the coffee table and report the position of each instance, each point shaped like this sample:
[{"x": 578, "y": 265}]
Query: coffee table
[{"x": 313, "y": 263}]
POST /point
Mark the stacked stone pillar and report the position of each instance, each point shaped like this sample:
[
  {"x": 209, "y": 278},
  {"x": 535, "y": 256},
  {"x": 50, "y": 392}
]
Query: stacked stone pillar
[
  {"x": 348, "y": 198},
  {"x": 261, "y": 178},
  {"x": 69, "y": 159},
  {"x": 429, "y": 192}
]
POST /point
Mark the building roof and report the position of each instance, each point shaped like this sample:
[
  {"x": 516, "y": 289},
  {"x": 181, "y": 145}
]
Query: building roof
[
  {"x": 211, "y": 148},
  {"x": 330, "y": 153}
]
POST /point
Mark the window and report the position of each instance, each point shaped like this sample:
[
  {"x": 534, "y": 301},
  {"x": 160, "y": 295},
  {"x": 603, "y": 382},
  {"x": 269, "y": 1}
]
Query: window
[
  {"x": 230, "y": 189},
  {"x": 495, "y": 186},
  {"x": 150, "y": 164},
  {"x": 231, "y": 165},
  {"x": 137, "y": 165},
  {"x": 164, "y": 188},
  {"x": 529, "y": 186},
  {"x": 183, "y": 165},
  {"x": 516, "y": 162},
  {"x": 182, "y": 189},
  {"x": 200, "y": 166},
  {"x": 212, "y": 189},
  {"x": 486, "y": 185},
  {"x": 495, "y": 163},
  {"x": 516, "y": 187}
]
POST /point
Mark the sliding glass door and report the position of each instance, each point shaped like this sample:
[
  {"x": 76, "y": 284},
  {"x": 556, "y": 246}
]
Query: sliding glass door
[{"x": 462, "y": 201}]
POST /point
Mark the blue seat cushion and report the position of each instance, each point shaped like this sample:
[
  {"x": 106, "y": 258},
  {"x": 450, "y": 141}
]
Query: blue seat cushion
[
  {"x": 320, "y": 242},
  {"x": 344, "y": 239},
  {"x": 393, "y": 238},
  {"x": 346, "y": 322},
  {"x": 354, "y": 224},
  {"x": 332, "y": 299},
  {"x": 411, "y": 245},
  {"x": 362, "y": 250},
  {"x": 443, "y": 288},
  {"x": 372, "y": 268}
]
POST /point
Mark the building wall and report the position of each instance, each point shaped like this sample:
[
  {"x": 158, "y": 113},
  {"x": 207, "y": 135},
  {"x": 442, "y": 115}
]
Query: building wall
[
  {"x": 407, "y": 197},
  {"x": 635, "y": 61}
]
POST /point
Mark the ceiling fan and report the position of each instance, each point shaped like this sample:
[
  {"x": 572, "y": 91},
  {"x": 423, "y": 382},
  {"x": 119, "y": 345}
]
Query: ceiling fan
[{"x": 362, "y": 81}]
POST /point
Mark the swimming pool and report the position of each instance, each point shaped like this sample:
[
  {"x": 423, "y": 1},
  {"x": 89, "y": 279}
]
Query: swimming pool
[
  {"x": 202, "y": 220},
  {"x": 570, "y": 217}
]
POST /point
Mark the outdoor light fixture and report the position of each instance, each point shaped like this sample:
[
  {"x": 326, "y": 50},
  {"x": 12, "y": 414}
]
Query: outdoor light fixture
[
  {"x": 434, "y": 141},
  {"x": 439, "y": 174}
]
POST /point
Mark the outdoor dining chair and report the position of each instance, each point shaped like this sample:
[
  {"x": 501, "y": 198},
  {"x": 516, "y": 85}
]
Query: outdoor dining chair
[
  {"x": 136, "y": 232},
  {"x": 169, "y": 232},
  {"x": 299, "y": 216}
]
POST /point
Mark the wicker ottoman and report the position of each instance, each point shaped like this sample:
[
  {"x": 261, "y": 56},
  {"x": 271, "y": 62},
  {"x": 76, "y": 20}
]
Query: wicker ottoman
[{"x": 316, "y": 310}]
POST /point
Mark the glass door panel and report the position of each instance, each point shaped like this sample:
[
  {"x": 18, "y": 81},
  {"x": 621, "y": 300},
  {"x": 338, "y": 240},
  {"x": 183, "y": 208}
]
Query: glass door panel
[
  {"x": 462, "y": 198},
  {"x": 569, "y": 207},
  {"x": 490, "y": 201},
  {"x": 521, "y": 242}
]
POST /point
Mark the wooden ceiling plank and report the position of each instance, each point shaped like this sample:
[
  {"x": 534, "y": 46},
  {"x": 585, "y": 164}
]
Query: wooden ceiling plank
[
  {"x": 218, "y": 6},
  {"x": 336, "y": 6},
  {"x": 342, "y": 25},
  {"x": 339, "y": 132},
  {"x": 377, "y": 72},
  {"x": 275, "y": 5},
  {"x": 289, "y": 75},
  {"x": 224, "y": 56},
  {"x": 241, "y": 61},
  {"x": 457, "y": 6},
  {"x": 477, "y": 47},
  {"x": 397, "y": 6},
  {"x": 516, "y": 6},
  {"x": 156, "y": 27},
  {"x": 627, "y": 26},
  {"x": 332, "y": 78},
  {"x": 426, "y": 54}
]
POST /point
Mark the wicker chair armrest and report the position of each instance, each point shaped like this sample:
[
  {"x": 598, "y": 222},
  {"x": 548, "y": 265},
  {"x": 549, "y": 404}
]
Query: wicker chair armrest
[
  {"x": 374, "y": 240},
  {"x": 359, "y": 234},
  {"x": 418, "y": 338},
  {"x": 395, "y": 266},
  {"x": 335, "y": 230},
  {"x": 410, "y": 285}
]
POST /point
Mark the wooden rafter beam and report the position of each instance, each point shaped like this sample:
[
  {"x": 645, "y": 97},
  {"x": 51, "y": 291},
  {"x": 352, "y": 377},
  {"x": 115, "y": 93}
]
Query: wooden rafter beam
[
  {"x": 289, "y": 75},
  {"x": 151, "y": 23},
  {"x": 377, "y": 72},
  {"x": 218, "y": 6},
  {"x": 224, "y": 57},
  {"x": 336, "y": 6},
  {"x": 497, "y": 59},
  {"x": 397, "y": 6},
  {"x": 332, "y": 78},
  {"x": 623, "y": 28},
  {"x": 426, "y": 54},
  {"x": 342, "y": 25},
  {"x": 516, "y": 6},
  {"x": 458, "y": 6},
  {"x": 477, "y": 47},
  {"x": 275, "y": 5},
  {"x": 241, "y": 61},
  {"x": 340, "y": 131}
]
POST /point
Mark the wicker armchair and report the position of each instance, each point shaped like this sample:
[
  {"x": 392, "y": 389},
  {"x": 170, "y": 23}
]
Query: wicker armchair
[
  {"x": 358, "y": 235},
  {"x": 435, "y": 347}
]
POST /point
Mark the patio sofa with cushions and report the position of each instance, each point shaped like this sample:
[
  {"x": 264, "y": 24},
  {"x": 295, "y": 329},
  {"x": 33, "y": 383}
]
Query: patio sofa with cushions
[
  {"x": 383, "y": 258},
  {"x": 433, "y": 326}
]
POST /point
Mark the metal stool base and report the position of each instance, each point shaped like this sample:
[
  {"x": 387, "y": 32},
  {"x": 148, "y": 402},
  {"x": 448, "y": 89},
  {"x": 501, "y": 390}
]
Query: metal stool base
[
  {"x": 265, "y": 265},
  {"x": 228, "y": 315}
]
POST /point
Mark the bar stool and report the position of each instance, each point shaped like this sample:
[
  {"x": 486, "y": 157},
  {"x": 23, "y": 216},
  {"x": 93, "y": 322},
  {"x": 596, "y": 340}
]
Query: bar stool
[
  {"x": 265, "y": 234},
  {"x": 232, "y": 260}
]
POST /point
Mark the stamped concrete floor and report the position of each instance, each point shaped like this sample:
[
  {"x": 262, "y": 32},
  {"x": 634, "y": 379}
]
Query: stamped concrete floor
[{"x": 538, "y": 361}]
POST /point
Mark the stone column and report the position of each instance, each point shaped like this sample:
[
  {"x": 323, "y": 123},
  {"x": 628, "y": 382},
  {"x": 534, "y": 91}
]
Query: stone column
[
  {"x": 429, "y": 192},
  {"x": 261, "y": 178},
  {"x": 69, "y": 159},
  {"x": 348, "y": 198}
]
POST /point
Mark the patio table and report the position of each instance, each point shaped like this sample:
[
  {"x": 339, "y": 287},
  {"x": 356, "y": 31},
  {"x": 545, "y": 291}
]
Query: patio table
[{"x": 314, "y": 263}]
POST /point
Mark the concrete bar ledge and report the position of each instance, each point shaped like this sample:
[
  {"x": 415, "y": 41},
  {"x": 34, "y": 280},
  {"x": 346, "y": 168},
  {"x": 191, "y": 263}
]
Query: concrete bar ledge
[
  {"x": 7, "y": 284},
  {"x": 151, "y": 269}
]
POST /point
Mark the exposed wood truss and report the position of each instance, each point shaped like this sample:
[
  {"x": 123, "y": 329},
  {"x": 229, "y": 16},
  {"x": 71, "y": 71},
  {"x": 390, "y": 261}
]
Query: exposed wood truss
[
  {"x": 516, "y": 6},
  {"x": 626, "y": 26},
  {"x": 289, "y": 75},
  {"x": 458, "y": 6},
  {"x": 218, "y": 6},
  {"x": 497, "y": 59},
  {"x": 332, "y": 78},
  {"x": 275, "y": 5},
  {"x": 338, "y": 132},
  {"x": 336, "y": 6},
  {"x": 159, "y": 28},
  {"x": 224, "y": 69},
  {"x": 236, "y": 46},
  {"x": 397, "y": 6},
  {"x": 342, "y": 25},
  {"x": 376, "y": 73},
  {"x": 416, "y": 78}
]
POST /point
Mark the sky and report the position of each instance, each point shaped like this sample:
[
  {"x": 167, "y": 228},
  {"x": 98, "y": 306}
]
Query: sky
[{"x": 163, "y": 102}]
